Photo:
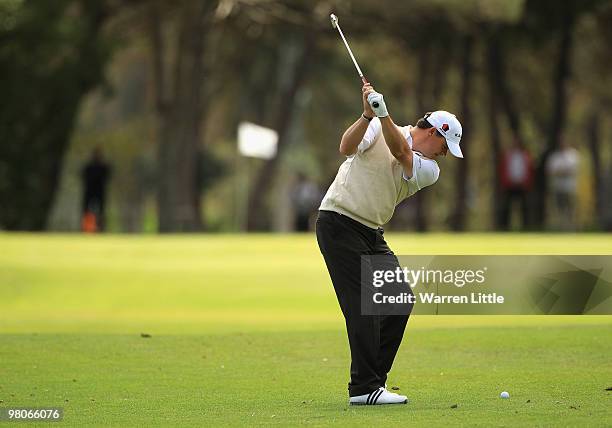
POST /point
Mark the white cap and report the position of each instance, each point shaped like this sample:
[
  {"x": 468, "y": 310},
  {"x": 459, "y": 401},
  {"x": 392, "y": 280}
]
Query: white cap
[{"x": 448, "y": 125}]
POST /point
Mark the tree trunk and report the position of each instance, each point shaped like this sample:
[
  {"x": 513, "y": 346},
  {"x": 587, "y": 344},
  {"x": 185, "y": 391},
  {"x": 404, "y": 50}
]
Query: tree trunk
[
  {"x": 40, "y": 114},
  {"x": 439, "y": 71},
  {"x": 594, "y": 139},
  {"x": 258, "y": 217},
  {"x": 420, "y": 199},
  {"x": 498, "y": 55},
  {"x": 461, "y": 181},
  {"x": 431, "y": 74},
  {"x": 559, "y": 113},
  {"x": 180, "y": 108},
  {"x": 493, "y": 75},
  {"x": 505, "y": 95}
]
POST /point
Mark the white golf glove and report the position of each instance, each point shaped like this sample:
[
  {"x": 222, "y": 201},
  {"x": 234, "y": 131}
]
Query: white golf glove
[{"x": 377, "y": 102}]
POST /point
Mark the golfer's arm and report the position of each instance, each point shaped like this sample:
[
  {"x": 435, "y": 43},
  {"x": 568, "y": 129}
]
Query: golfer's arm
[
  {"x": 353, "y": 136},
  {"x": 398, "y": 146}
]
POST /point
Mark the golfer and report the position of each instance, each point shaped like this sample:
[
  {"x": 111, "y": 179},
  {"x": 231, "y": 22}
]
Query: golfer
[{"x": 384, "y": 165}]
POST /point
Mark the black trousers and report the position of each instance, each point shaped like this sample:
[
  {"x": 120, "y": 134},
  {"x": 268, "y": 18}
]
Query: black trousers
[{"x": 373, "y": 339}]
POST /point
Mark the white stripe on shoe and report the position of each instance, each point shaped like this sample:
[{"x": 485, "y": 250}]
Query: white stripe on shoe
[
  {"x": 371, "y": 396},
  {"x": 377, "y": 395}
]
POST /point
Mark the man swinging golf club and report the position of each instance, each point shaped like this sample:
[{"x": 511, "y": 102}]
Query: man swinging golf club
[{"x": 384, "y": 165}]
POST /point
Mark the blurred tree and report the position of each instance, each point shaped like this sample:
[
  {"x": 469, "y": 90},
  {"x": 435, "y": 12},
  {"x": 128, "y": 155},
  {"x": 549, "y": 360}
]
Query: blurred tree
[
  {"x": 501, "y": 99},
  {"x": 458, "y": 218},
  {"x": 594, "y": 76},
  {"x": 591, "y": 104},
  {"x": 293, "y": 25},
  {"x": 180, "y": 104},
  {"x": 221, "y": 62},
  {"x": 593, "y": 135},
  {"x": 493, "y": 66},
  {"x": 432, "y": 67},
  {"x": 295, "y": 62},
  {"x": 545, "y": 19},
  {"x": 52, "y": 53}
]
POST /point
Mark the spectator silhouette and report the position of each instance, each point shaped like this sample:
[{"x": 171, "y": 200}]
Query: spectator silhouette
[
  {"x": 306, "y": 197},
  {"x": 516, "y": 178},
  {"x": 562, "y": 169},
  {"x": 95, "y": 176}
]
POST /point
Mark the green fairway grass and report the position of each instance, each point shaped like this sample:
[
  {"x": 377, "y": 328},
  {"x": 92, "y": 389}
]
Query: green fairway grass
[{"x": 245, "y": 330}]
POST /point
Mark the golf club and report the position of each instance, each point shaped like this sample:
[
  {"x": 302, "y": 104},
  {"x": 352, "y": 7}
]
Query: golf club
[{"x": 334, "y": 22}]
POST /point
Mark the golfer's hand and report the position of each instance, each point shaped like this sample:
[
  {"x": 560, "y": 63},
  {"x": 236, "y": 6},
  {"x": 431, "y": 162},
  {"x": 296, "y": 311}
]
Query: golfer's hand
[
  {"x": 367, "y": 109},
  {"x": 377, "y": 102}
]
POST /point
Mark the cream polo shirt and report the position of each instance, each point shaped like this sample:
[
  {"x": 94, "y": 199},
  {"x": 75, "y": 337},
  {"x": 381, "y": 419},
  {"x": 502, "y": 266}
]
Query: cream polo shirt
[{"x": 371, "y": 183}]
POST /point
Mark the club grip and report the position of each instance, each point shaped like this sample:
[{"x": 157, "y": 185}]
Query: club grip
[{"x": 365, "y": 82}]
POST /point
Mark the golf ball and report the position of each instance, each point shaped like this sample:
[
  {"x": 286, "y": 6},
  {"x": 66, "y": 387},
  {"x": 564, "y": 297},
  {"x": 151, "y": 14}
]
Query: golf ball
[{"x": 504, "y": 395}]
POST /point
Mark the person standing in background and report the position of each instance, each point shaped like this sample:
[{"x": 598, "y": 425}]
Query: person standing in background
[
  {"x": 562, "y": 169},
  {"x": 516, "y": 178},
  {"x": 305, "y": 196},
  {"x": 94, "y": 175}
]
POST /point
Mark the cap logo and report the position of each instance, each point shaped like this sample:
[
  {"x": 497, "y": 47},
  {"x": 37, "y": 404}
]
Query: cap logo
[{"x": 445, "y": 127}]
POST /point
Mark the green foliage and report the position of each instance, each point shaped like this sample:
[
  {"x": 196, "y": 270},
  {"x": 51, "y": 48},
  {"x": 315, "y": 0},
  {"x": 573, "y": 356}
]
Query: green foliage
[
  {"x": 211, "y": 168},
  {"x": 411, "y": 51},
  {"x": 51, "y": 55}
]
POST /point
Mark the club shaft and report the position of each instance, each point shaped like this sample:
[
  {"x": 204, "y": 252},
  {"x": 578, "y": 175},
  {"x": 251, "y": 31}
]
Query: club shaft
[{"x": 348, "y": 48}]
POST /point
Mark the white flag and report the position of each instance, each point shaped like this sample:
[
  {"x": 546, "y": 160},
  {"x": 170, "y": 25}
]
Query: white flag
[{"x": 257, "y": 141}]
